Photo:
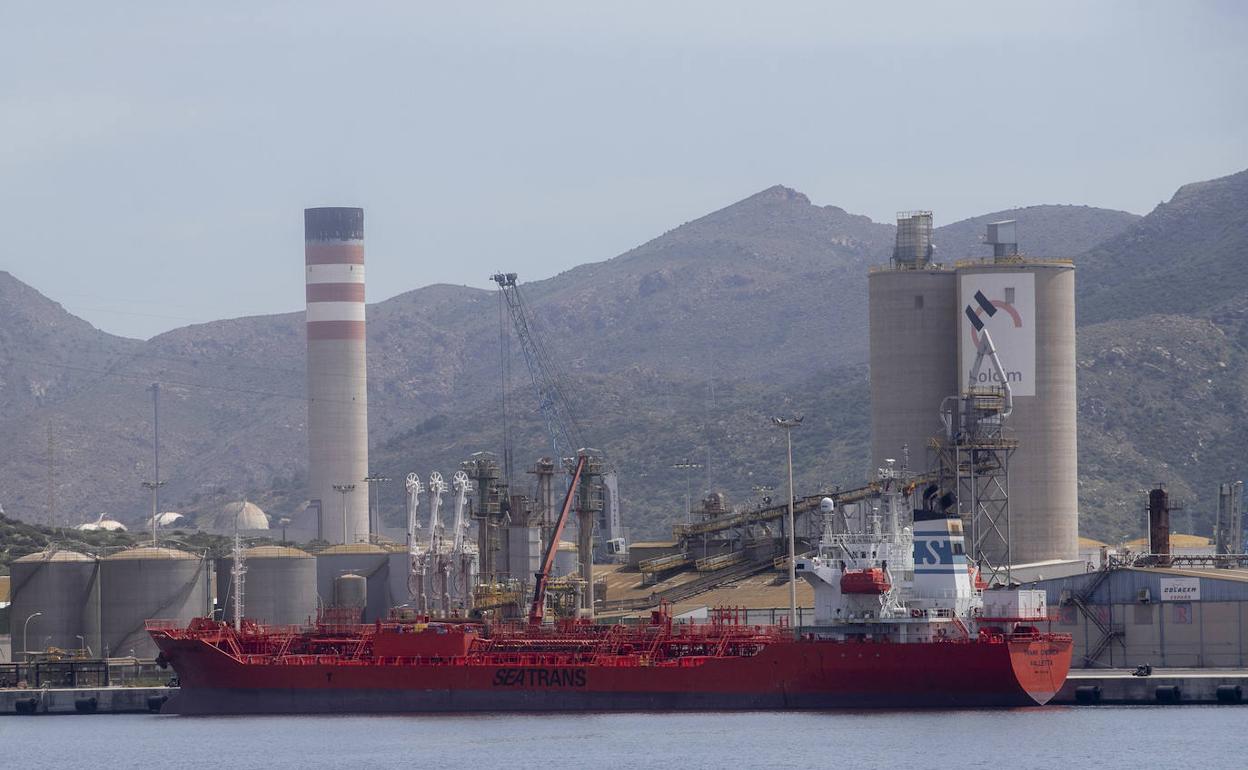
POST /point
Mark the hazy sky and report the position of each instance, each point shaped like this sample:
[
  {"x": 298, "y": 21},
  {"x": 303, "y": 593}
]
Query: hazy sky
[{"x": 155, "y": 158}]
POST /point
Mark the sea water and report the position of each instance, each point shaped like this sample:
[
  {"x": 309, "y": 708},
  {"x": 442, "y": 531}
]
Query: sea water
[{"x": 1063, "y": 738}]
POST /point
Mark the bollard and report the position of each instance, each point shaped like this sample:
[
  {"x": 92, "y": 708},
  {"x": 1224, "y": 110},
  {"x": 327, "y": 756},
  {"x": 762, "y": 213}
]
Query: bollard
[{"x": 86, "y": 705}]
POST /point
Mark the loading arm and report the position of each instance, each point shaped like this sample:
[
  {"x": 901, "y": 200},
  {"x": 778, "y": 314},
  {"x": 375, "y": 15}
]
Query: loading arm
[{"x": 986, "y": 350}]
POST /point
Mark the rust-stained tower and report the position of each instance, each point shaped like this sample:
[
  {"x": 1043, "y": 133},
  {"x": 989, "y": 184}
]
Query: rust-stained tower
[
  {"x": 1159, "y": 524},
  {"x": 337, "y": 371}
]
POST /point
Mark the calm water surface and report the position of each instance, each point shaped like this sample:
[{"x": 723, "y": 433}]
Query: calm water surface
[{"x": 1196, "y": 737}]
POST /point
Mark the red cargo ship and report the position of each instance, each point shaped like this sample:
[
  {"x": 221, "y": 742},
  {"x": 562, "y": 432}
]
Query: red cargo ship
[
  {"x": 722, "y": 664},
  {"x": 900, "y": 620}
]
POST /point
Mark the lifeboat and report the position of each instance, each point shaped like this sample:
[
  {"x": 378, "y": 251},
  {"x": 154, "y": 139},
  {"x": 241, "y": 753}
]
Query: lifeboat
[{"x": 865, "y": 581}]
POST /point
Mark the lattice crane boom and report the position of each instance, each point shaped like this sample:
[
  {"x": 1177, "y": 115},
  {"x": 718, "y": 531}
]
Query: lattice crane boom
[{"x": 552, "y": 398}]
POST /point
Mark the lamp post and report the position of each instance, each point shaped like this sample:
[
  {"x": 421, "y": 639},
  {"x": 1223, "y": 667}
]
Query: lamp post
[
  {"x": 25, "y": 627},
  {"x": 788, "y": 424},
  {"x": 153, "y": 486},
  {"x": 374, "y": 501},
  {"x": 344, "y": 490},
  {"x": 687, "y": 466}
]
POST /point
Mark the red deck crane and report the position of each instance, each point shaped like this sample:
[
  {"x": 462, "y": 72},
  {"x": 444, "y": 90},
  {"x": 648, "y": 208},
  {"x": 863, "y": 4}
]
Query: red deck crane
[{"x": 552, "y": 548}]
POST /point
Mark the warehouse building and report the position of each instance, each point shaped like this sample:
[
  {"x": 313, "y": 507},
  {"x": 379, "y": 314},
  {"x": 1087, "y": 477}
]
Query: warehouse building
[{"x": 1160, "y": 616}]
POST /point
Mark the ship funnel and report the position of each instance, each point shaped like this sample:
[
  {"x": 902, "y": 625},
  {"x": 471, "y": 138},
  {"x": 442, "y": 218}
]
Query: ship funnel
[{"x": 941, "y": 572}]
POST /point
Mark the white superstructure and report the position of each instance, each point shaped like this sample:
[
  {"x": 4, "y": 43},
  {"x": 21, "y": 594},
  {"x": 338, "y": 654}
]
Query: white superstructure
[{"x": 886, "y": 568}]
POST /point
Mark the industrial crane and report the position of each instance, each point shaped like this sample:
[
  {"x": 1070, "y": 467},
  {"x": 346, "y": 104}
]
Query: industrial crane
[
  {"x": 555, "y": 406},
  {"x": 975, "y": 451},
  {"x": 552, "y": 548},
  {"x": 552, "y": 399}
]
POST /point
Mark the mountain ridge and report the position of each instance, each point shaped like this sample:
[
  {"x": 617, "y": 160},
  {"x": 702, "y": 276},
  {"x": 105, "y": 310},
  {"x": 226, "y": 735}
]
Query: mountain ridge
[{"x": 686, "y": 342}]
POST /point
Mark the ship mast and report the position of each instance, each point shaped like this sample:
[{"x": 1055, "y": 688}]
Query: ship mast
[{"x": 238, "y": 570}]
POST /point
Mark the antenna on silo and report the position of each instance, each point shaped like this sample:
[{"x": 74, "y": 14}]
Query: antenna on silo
[{"x": 913, "y": 248}]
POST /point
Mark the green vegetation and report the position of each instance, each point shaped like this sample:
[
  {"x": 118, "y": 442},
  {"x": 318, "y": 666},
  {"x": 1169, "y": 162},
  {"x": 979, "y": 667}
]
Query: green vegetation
[{"x": 18, "y": 539}]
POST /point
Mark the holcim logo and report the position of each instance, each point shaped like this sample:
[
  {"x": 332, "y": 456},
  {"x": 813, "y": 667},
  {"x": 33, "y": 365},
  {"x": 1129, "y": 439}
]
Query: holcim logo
[
  {"x": 989, "y": 307},
  {"x": 1012, "y": 310}
]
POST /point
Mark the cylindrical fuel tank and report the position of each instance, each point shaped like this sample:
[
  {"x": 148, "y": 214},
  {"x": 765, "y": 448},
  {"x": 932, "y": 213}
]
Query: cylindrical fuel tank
[
  {"x": 373, "y": 563},
  {"x": 59, "y": 592},
  {"x": 279, "y": 586},
  {"x": 148, "y": 583}
]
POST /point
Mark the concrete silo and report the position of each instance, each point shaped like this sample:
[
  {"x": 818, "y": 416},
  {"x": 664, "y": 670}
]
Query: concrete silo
[
  {"x": 913, "y": 345},
  {"x": 371, "y": 562},
  {"x": 146, "y": 583},
  {"x": 1035, "y": 339},
  {"x": 64, "y": 588},
  {"x": 279, "y": 586},
  {"x": 337, "y": 372},
  {"x": 922, "y": 347}
]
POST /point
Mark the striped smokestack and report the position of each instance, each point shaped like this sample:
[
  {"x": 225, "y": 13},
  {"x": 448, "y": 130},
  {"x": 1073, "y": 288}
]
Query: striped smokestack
[{"x": 337, "y": 370}]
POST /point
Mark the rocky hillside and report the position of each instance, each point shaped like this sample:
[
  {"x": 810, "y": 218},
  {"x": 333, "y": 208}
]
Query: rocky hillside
[
  {"x": 1163, "y": 357},
  {"x": 687, "y": 342},
  {"x": 1185, "y": 257}
]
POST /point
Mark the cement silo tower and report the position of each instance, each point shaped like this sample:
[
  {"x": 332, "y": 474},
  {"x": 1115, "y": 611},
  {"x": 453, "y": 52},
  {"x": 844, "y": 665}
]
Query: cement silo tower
[
  {"x": 59, "y": 591},
  {"x": 922, "y": 348},
  {"x": 913, "y": 337},
  {"x": 337, "y": 372},
  {"x": 1035, "y": 338}
]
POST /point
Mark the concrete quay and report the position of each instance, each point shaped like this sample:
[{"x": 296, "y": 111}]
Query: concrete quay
[
  {"x": 84, "y": 700},
  {"x": 1168, "y": 686}
]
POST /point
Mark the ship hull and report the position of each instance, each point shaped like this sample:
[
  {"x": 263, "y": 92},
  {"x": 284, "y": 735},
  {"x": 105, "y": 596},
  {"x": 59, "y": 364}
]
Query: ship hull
[{"x": 785, "y": 675}]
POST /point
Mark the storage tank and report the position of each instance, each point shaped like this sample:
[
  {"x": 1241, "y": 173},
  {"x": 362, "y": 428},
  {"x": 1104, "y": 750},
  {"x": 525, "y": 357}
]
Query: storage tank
[
  {"x": 913, "y": 339},
  {"x": 350, "y": 590},
  {"x": 566, "y": 559},
  {"x": 145, "y": 583},
  {"x": 280, "y": 586},
  {"x": 62, "y": 585},
  {"x": 1035, "y": 340},
  {"x": 371, "y": 562},
  {"x": 922, "y": 347}
]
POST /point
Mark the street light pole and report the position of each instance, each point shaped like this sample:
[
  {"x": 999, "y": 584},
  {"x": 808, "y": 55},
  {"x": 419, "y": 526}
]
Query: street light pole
[
  {"x": 788, "y": 424},
  {"x": 153, "y": 486},
  {"x": 374, "y": 500},
  {"x": 687, "y": 466},
  {"x": 344, "y": 489},
  {"x": 25, "y": 627}
]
